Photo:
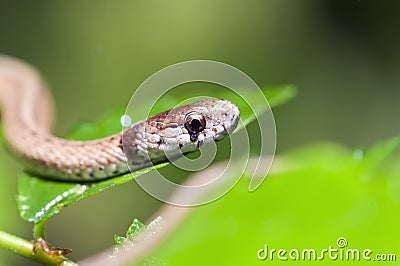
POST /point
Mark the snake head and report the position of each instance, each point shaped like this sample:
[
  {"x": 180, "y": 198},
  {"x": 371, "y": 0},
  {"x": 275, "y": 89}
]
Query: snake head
[{"x": 185, "y": 128}]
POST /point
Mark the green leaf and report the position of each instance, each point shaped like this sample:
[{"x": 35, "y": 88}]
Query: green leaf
[
  {"x": 279, "y": 95},
  {"x": 371, "y": 159},
  {"x": 274, "y": 95},
  {"x": 320, "y": 199},
  {"x": 119, "y": 240},
  {"x": 107, "y": 125},
  {"x": 135, "y": 231},
  {"x": 39, "y": 199},
  {"x": 135, "y": 228}
]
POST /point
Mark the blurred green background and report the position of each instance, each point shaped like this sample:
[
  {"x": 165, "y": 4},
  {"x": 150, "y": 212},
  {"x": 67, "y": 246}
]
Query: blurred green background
[{"x": 342, "y": 55}]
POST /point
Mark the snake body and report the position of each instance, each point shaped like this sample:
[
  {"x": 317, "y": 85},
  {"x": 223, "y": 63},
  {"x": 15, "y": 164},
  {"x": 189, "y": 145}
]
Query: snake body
[{"x": 26, "y": 108}]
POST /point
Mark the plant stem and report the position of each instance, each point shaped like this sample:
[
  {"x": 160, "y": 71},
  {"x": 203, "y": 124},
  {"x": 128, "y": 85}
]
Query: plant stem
[
  {"x": 39, "y": 229},
  {"x": 24, "y": 248}
]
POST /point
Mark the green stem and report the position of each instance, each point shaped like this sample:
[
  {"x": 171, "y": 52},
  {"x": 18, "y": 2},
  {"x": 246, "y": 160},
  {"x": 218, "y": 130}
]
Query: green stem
[
  {"x": 39, "y": 229},
  {"x": 24, "y": 248}
]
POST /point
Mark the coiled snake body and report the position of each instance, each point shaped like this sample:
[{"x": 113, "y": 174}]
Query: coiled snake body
[{"x": 26, "y": 109}]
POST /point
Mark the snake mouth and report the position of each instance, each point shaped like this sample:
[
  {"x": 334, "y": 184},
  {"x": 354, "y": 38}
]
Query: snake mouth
[
  {"x": 199, "y": 144},
  {"x": 225, "y": 130}
]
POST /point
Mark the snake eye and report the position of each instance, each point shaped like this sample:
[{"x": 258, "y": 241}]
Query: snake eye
[{"x": 195, "y": 122}]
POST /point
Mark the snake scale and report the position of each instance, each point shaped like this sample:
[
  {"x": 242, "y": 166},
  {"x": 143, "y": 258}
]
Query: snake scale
[{"x": 27, "y": 114}]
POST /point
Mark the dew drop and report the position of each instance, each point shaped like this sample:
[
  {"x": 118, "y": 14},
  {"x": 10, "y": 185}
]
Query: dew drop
[{"x": 126, "y": 120}]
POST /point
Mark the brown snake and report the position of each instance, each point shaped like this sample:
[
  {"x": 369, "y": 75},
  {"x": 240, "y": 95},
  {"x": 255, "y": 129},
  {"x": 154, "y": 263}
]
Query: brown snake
[{"x": 26, "y": 109}]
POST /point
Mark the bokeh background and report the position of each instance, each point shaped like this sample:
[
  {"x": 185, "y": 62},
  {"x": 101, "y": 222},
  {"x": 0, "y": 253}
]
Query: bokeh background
[{"x": 343, "y": 55}]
